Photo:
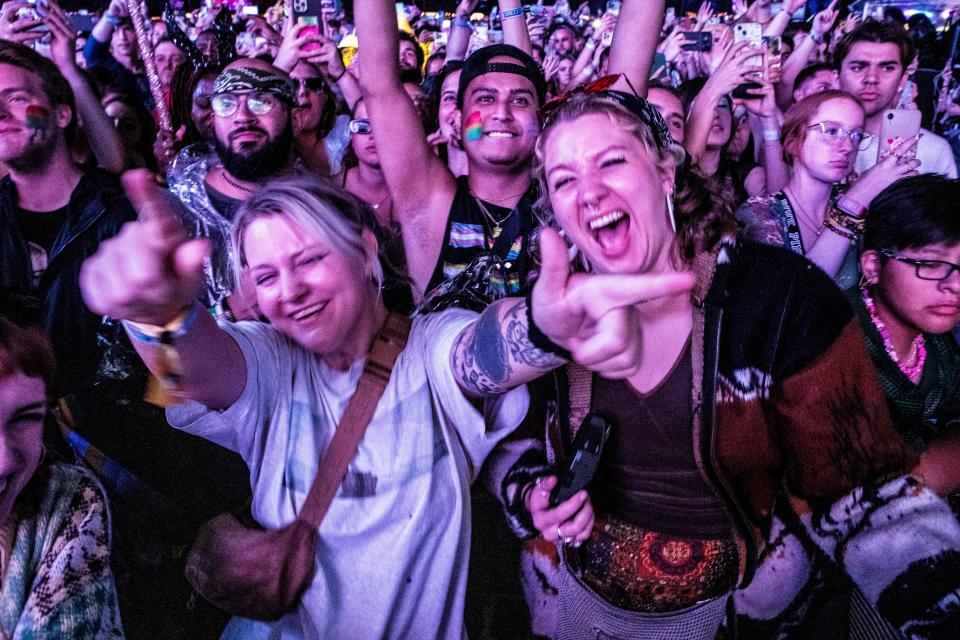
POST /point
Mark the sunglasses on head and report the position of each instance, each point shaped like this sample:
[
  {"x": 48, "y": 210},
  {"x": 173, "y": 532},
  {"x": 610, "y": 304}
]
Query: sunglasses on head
[
  {"x": 311, "y": 84},
  {"x": 361, "y": 126}
]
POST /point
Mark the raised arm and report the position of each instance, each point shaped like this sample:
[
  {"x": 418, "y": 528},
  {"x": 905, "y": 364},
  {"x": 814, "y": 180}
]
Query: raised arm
[
  {"x": 778, "y": 25},
  {"x": 103, "y": 136},
  {"x": 722, "y": 82},
  {"x": 822, "y": 23},
  {"x": 460, "y": 31},
  {"x": 635, "y": 41},
  {"x": 420, "y": 185},
  {"x": 149, "y": 274},
  {"x": 515, "y": 25}
]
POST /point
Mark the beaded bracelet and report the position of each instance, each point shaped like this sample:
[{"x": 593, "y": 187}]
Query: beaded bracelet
[
  {"x": 511, "y": 13},
  {"x": 843, "y": 225},
  {"x": 539, "y": 339}
]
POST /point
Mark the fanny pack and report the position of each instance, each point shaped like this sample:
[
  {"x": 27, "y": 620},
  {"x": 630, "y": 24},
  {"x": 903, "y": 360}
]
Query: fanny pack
[{"x": 262, "y": 573}]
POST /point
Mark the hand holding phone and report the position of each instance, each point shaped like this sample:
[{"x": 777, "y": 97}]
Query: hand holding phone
[
  {"x": 897, "y": 128},
  {"x": 697, "y": 41},
  {"x": 584, "y": 456}
]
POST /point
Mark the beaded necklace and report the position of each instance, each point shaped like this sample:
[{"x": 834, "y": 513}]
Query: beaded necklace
[{"x": 913, "y": 372}]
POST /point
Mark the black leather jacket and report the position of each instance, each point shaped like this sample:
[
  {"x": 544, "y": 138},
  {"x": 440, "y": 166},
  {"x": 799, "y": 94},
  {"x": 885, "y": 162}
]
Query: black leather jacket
[{"x": 96, "y": 211}]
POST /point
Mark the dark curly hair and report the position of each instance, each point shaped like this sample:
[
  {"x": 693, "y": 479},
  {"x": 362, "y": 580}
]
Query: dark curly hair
[{"x": 702, "y": 217}]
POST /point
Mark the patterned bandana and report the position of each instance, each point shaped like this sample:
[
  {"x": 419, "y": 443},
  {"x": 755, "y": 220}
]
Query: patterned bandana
[{"x": 240, "y": 79}]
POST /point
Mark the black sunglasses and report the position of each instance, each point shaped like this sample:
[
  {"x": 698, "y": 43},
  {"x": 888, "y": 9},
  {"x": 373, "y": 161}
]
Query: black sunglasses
[{"x": 311, "y": 84}]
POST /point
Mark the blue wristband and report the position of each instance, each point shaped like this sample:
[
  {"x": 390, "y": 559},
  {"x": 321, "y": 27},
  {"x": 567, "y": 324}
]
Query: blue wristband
[
  {"x": 164, "y": 336},
  {"x": 112, "y": 19},
  {"x": 510, "y": 13}
]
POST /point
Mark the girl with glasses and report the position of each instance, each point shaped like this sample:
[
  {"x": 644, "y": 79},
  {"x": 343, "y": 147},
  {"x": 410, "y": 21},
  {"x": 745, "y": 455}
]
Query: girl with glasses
[
  {"x": 810, "y": 216},
  {"x": 909, "y": 305}
]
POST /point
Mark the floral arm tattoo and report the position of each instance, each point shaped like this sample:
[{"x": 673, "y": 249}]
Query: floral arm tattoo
[{"x": 494, "y": 354}]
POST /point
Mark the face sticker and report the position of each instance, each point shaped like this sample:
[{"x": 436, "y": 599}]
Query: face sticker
[
  {"x": 37, "y": 120},
  {"x": 473, "y": 128}
]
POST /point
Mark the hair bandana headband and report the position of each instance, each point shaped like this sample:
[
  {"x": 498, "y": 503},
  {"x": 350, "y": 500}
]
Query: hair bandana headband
[{"x": 239, "y": 79}]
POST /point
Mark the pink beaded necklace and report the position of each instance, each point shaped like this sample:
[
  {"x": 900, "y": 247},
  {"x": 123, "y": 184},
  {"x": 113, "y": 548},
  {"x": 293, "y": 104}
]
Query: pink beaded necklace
[{"x": 913, "y": 372}]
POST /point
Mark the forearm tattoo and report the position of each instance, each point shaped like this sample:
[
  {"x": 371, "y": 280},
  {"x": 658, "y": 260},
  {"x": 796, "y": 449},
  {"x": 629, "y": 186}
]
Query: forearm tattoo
[{"x": 494, "y": 354}]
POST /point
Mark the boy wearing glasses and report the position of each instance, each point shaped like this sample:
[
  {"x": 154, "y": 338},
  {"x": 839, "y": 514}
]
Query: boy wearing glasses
[
  {"x": 253, "y": 139},
  {"x": 872, "y": 61},
  {"x": 908, "y": 305}
]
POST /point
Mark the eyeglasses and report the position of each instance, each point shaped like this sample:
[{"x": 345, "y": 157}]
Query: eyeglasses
[
  {"x": 260, "y": 103},
  {"x": 834, "y": 134},
  {"x": 926, "y": 269},
  {"x": 311, "y": 84},
  {"x": 361, "y": 126}
]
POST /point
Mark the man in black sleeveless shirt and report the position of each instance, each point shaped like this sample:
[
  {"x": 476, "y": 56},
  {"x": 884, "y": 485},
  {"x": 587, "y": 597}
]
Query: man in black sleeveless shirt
[{"x": 448, "y": 223}]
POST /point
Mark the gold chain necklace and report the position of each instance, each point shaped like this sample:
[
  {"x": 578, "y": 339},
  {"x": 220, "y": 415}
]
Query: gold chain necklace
[{"x": 496, "y": 225}]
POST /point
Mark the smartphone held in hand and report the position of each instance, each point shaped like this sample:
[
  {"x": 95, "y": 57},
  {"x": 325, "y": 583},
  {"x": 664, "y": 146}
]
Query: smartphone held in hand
[{"x": 584, "y": 458}]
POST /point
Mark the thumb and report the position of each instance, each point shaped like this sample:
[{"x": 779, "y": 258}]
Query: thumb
[
  {"x": 187, "y": 261},
  {"x": 554, "y": 263}
]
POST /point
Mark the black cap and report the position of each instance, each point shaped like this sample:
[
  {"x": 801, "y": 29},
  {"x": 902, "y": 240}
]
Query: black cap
[{"x": 479, "y": 64}]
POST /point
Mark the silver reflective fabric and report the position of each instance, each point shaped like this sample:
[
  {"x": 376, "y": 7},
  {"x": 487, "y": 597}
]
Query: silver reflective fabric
[{"x": 201, "y": 219}]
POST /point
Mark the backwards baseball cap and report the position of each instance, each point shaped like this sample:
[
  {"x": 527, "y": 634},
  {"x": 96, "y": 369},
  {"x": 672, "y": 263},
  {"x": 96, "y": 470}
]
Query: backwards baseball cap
[
  {"x": 255, "y": 79},
  {"x": 479, "y": 64}
]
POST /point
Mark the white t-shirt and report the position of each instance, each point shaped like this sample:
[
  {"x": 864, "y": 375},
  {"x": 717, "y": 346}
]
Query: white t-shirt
[
  {"x": 934, "y": 153},
  {"x": 393, "y": 549}
]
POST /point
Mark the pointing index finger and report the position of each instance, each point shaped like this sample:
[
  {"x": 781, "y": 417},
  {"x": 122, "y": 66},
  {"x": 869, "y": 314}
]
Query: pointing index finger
[{"x": 600, "y": 294}]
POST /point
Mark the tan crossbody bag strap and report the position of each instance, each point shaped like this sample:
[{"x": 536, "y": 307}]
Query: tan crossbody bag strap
[{"x": 376, "y": 373}]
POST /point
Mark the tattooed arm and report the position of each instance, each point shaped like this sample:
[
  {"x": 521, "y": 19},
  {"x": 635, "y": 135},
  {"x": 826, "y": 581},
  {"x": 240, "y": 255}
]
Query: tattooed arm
[{"x": 494, "y": 354}]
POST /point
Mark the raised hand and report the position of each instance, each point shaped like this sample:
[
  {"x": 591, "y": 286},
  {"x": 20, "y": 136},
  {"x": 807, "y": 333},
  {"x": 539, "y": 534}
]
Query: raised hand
[
  {"x": 151, "y": 270},
  {"x": 63, "y": 39},
  {"x": 704, "y": 14},
  {"x": 898, "y": 164},
  {"x": 823, "y": 21},
  {"x": 17, "y": 28},
  {"x": 733, "y": 69},
  {"x": 592, "y": 315}
]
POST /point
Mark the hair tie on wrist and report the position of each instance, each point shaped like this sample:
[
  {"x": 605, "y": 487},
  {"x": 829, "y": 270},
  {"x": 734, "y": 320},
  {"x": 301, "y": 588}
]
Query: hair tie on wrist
[{"x": 539, "y": 339}]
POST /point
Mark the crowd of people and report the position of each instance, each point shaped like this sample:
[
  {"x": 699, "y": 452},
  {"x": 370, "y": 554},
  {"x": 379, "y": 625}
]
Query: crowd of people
[{"x": 411, "y": 275}]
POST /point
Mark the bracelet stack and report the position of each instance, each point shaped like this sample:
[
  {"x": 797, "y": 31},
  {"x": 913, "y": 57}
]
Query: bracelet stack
[{"x": 843, "y": 224}]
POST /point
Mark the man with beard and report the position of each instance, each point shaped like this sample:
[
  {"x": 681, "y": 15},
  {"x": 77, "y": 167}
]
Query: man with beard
[
  {"x": 253, "y": 140},
  {"x": 466, "y": 238}
]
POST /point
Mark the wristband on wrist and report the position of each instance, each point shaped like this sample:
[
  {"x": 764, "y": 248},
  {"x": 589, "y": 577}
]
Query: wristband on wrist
[
  {"x": 539, "y": 339},
  {"x": 850, "y": 206},
  {"x": 112, "y": 19},
  {"x": 512, "y": 13},
  {"x": 463, "y": 22},
  {"x": 816, "y": 36},
  {"x": 771, "y": 135},
  {"x": 152, "y": 334}
]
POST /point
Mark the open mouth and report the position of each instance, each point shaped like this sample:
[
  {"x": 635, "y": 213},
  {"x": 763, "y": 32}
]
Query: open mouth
[
  {"x": 308, "y": 313},
  {"x": 500, "y": 134},
  {"x": 610, "y": 231}
]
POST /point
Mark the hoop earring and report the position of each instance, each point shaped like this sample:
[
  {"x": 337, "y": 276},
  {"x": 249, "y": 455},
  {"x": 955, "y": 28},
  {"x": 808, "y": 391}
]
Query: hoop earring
[{"x": 670, "y": 212}]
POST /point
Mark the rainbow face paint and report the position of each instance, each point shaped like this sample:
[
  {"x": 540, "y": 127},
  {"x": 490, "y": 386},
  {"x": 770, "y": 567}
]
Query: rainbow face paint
[
  {"x": 473, "y": 128},
  {"x": 37, "y": 119}
]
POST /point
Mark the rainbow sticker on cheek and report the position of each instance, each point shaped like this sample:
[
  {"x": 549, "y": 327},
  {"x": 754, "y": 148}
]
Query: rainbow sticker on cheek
[
  {"x": 37, "y": 119},
  {"x": 473, "y": 129}
]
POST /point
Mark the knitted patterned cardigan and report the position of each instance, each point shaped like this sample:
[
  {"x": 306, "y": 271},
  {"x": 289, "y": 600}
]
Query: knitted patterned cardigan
[
  {"x": 785, "y": 398},
  {"x": 58, "y": 583}
]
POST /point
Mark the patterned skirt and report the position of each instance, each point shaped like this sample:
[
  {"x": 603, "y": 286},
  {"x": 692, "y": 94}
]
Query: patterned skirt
[{"x": 648, "y": 571}]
